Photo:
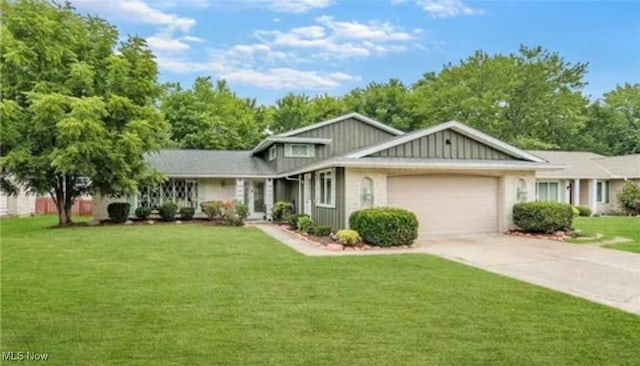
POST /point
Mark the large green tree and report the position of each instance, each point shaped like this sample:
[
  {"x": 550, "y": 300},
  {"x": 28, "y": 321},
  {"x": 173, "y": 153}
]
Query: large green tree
[
  {"x": 209, "y": 116},
  {"x": 385, "y": 102},
  {"x": 78, "y": 115},
  {"x": 532, "y": 98}
]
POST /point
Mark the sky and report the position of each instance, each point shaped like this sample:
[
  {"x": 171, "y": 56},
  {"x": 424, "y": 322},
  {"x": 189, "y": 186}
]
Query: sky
[{"x": 267, "y": 48}]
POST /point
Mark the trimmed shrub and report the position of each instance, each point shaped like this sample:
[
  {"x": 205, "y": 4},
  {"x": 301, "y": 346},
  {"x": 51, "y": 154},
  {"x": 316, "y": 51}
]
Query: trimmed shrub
[
  {"x": 575, "y": 211},
  {"x": 213, "y": 209},
  {"x": 281, "y": 210},
  {"x": 143, "y": 213},
  {"x": 583, "y": 210},
  {"x": 385, "y": 226},
  {"x": 544, "y": 217},
  {"x": 186, "y": 213},
  {"x": 293, "y": 220},
  {"x": 321, "y": 230},
  {"x": 629, "y": 197},
  {"x": 168, "y": 211},
  {"x": 118, "y": 211},
  {"x": 304, "y": 224},
  {"x": 234, "y": 213},
  {"x": 348, "y": 237}
]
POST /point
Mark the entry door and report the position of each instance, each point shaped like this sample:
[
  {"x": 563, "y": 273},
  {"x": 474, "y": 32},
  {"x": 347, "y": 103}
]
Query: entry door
[
  {"x": 307, "y": 194},
  {"x": 258, "y": 197}
]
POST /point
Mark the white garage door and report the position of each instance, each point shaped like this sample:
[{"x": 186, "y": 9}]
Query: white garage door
[
  {"x": 448, "y": 204},
  {"x": 4, "y": 207}
]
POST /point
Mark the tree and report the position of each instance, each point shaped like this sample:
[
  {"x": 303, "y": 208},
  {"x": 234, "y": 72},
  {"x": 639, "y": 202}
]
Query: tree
[
  {"x": 290, "y": 112},
  {"x": 532, "y": 97},
  {"x": 79, "y": 116},
  {"x": 385, "y": 102},
  {"x": 212, "y": 117}
]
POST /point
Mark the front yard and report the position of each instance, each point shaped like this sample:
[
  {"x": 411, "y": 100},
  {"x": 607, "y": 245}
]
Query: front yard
[
  {"x": 197, "y": 294},
  {"x": 611, "y": 227}
]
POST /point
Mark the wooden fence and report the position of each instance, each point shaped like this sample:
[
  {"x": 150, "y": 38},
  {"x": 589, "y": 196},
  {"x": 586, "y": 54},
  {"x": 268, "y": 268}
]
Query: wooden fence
[{"x": 45, "y": 205}]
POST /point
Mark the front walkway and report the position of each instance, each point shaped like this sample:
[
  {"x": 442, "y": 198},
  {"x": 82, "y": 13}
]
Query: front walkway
[{"x": 601, "y": 275}]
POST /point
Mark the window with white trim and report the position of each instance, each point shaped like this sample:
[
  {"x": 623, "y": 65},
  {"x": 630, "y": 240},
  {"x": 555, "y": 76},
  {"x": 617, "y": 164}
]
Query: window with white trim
[
  {"x": 299, "y": 150},
  {"x": 183, "y": 192},
  {"x": 273, "y": 152},
  {"x": 548, "y": 191},
  {"x": 326, "y": 188},
  {"x": 602, "y": 191}
]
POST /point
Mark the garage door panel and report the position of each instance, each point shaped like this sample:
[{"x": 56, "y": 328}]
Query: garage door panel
[{"x": 448, "y": 204}]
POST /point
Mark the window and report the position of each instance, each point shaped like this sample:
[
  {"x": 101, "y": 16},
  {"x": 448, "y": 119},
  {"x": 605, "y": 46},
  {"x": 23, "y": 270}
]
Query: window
[
  {"x": 299, "y": 151},
  {"x": 521, "y": 190},
  {"x": 273, "y": 152},
  {"x": 602, "y": 191},
  {"x": 547, "y": 191},
  {"x": 326, "y": 188},
  {"x": 183, "y": 192},
  {"x": 366, "y": 200}
]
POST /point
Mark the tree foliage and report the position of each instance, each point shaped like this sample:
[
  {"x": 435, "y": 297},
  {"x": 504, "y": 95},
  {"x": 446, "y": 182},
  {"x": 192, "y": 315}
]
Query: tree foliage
[{"x": 78, "y": 116}]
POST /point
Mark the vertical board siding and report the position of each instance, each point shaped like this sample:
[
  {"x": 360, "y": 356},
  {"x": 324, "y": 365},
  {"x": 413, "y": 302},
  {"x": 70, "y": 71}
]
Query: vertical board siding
[
  {"x": 333, "y": 217},
  {"x": 435, "y": 146}
]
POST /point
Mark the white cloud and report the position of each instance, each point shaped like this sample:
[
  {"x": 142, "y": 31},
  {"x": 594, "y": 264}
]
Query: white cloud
[
  {"x": 447, "y": 8},
  {"x": 287, "y": 78},
  {"x": 378, "y": 31},
  {"x": 290, "y": 6}
]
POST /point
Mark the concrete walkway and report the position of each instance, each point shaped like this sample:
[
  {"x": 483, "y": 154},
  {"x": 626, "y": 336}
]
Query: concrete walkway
[{"x": 605, "y": 276}]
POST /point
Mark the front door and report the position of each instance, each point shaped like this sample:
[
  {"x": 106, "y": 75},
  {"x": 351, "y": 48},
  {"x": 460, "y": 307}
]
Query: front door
[
  {"x": 254, "y": 198},
  {"x": 307, "y": 194}
]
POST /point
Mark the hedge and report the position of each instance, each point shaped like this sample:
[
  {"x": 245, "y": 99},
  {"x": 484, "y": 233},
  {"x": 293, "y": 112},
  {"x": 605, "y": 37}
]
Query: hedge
[
  {"x": 385, "y": 226},
  {"x": 118, "y": 211},
  {"x": 584, "y": 210},
  {"x": 544, "y": 217},
  {"x": 143, "y": 213},
  {"x": 168, "y": 211},
  {"x": 186, "y": 213}
]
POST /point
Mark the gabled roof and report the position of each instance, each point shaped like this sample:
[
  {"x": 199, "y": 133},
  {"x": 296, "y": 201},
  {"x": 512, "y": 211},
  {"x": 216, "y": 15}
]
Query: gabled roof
[
  {"x": 353, "y": 115},
  {"x": 458, "y": 127},
  {"x": 578, "y": 164},
  {"x": 266, "y": 143},
  {"x": 624, "y": 166},
  {"x": 208, "y": 163}
]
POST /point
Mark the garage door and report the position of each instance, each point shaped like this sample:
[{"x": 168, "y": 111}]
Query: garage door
[
  {"x": 448, "y": 204},
  {"x": 3, "y": 204}
]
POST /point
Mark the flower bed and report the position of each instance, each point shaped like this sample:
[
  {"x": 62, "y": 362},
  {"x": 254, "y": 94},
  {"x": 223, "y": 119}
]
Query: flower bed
[{"x": 557, "y": 236}]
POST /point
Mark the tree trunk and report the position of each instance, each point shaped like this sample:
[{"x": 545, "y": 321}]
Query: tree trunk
[{"x": 63, "y": 200}]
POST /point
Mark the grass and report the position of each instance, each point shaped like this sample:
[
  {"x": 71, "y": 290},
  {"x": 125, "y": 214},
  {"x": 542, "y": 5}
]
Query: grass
[
  {"x": 196, "y": 294},
  {"x": 611, "y": 227}
]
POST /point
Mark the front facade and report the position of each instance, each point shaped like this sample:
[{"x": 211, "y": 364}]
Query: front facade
[
  {"x": 586, "y": 179},
  {"x": 456, "y": 179},
  {"x": 21, "y": 204}
]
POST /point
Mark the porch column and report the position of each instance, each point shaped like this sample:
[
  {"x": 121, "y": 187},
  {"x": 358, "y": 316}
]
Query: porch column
[
  {"x": 576, "y": 192},
  {"x": 268, "y": 196},
  {"x": 593, "y": 191},
  {"x": 240, "y": 190}
]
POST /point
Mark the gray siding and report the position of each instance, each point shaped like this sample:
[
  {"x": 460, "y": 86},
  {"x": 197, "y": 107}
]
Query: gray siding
[
  {"x": 435, "y": 146},
  {"x": 347, "y": 135},
  {"x": 287, "y": 190},
  {"x": 333, "y": 217}
]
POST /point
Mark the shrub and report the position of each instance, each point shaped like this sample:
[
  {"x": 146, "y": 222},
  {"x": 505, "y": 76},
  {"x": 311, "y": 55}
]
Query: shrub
[
  {"x": 167, "y": 211},
  {"x": 143, "y": 213},
  {"x": 186, "y": 213},
  {"x": 281, "y": 210},
  {"x": 575, "y": 211},
  {"x": 118, "y": 211},
  {"x": 545, "y": 217},
  {"x": 629, "y": 196},
  {"x": 304, "y": 224},
  {"x": 583, "y": 210},
  {"x": 213, "y": 209},
  {"x": 348, "y": 237},
  {"x": 385, "y": 226},
  {"x": 321, "y": 230},
  {"x": 234, "y": 212},
  {"x": 293, "y": 220}
]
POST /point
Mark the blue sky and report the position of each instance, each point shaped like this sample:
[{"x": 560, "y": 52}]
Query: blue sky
[{"x": 266, "y": 48}]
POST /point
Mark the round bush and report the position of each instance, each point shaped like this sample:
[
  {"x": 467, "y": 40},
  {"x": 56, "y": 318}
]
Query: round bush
[
  {"x": 118, "y": 211},
  {"x": 186, "y": 213},
  {"x": 543, "y": 217},
  {"x": 583, "y": 210},
  {"x": 385, "y": 226},
  {"x": 168, "y": 211},
  {"x": 143, "y": 213}
]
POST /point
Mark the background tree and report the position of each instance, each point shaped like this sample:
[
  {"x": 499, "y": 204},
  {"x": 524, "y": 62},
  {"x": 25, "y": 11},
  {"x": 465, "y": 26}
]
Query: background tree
[
  {"x": 385, "y": 102},
  {"x": 80, "y": 117}
]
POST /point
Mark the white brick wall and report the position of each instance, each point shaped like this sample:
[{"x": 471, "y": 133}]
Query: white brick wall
[{"x": 353, "y": 189}]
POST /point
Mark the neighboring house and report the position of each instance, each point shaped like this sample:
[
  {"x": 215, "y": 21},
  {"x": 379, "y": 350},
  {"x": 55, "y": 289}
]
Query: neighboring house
[
  {"x": 455, "y": 178},
  {"x": 22, "y": 204},
  {"x": 587, "y": 179}
]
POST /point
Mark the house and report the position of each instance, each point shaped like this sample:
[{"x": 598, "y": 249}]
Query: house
[
  {"x": 587, "y": 179},
  {"x": 21, "y": 204},
  {"x": 455, "y": 178}
]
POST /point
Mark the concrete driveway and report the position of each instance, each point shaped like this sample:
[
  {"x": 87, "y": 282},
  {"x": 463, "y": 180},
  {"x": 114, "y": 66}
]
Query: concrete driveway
[{"x": 606, "y": 276}]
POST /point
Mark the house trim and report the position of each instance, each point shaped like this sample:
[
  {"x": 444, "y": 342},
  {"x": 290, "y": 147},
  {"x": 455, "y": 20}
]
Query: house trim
[{"x": 269, "y": 141}]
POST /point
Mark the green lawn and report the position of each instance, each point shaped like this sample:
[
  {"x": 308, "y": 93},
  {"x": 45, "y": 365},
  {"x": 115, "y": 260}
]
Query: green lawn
[
  {"x": 611, "y": 227},
  {"x": 196, "y": 294}
]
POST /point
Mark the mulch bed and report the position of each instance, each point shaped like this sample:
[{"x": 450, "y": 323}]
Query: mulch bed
[
  {"x": 326, "y": 243},
  {"x": 557, "y": 236},
  {"x": 157, "y": 221}
]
